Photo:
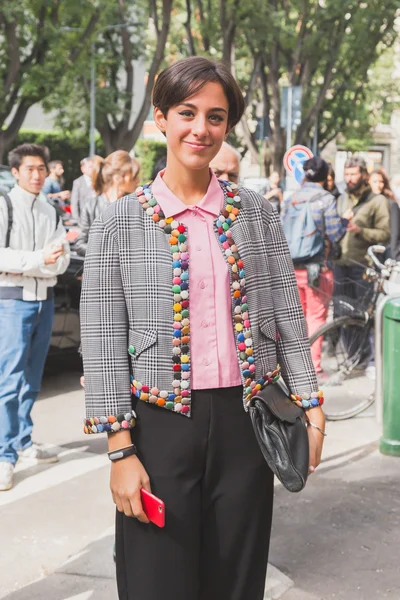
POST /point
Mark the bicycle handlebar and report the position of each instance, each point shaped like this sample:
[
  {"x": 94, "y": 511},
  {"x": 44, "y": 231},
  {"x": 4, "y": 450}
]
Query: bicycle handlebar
[{"x": 371, "y": 253}]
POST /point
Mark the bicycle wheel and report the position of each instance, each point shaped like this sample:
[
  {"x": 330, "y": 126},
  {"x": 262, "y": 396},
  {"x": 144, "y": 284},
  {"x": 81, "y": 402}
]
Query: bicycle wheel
[{"x": 347, "y": 390}]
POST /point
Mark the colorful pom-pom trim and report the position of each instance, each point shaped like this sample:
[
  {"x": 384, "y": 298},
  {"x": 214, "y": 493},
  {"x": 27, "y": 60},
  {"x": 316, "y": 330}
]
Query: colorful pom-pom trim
[
  {"x": 110, "y": 424},
  {"x": 307, "y": 401}
]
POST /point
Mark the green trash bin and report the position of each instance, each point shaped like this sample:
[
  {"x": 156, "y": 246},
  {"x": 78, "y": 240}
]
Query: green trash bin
[{"x": 390, "y": 440}]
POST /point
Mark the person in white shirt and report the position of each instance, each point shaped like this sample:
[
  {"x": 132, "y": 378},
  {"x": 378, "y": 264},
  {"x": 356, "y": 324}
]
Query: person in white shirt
[{"x": 33, "y": 251}]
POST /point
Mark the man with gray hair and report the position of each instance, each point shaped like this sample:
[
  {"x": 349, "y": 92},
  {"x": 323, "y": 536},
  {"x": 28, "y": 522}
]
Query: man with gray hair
[{"x": 226, "y": 165}]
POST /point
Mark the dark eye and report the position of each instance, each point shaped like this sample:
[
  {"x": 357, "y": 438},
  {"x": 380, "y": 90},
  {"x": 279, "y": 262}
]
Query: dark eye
[
  {"x": 186, "y": 113},
  {"x": 216, "y": 118}
]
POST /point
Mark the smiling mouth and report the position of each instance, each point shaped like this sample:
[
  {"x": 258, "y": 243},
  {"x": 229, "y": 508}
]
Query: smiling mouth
[{"x": 198, "y": 146}]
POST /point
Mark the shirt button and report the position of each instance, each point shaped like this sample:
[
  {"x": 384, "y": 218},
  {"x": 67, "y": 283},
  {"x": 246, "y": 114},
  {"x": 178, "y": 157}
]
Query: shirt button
[
  {"x": 206, "y": 362},
  {"x": 202, "y": 285},
  {"x": 204, "y": 324},
  {"x": 198, "y": 248}
]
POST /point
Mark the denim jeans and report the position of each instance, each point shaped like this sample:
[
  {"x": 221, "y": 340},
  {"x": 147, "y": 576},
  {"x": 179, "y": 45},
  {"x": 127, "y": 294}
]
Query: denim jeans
[{"x": 25, "y": 333}]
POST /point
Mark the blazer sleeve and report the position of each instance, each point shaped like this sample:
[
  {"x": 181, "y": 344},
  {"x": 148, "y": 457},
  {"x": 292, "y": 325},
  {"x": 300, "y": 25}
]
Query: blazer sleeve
[
  {"x": 104, "y": 334},
  {"x": 293, "y": 347}
]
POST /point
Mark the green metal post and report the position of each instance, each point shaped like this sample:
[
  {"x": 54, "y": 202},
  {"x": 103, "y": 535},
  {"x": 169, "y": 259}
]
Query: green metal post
[{"x": 390, "y": 440}]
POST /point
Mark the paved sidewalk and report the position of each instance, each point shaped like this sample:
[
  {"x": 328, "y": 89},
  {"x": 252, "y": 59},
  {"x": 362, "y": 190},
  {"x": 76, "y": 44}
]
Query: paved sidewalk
[{"x": 337, "y": 539}]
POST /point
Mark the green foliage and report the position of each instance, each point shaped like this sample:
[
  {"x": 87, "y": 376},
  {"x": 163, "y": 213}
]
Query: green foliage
[
  {"x": 148, "y": 154},
  {"x": 40, "y": 42},
  {"x": 357, "y": 144},
  {"x": 70, "y": 148}
]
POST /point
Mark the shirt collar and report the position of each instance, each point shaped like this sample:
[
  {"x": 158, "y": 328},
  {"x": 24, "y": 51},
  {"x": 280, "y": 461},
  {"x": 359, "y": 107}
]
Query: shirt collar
[
  {"x": 171, "y": 206},
  {"x": 24, "y": 194}
]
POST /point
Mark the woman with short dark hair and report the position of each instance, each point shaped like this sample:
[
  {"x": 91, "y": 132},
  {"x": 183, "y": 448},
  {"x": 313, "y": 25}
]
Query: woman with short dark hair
[{"x": 170, "y": 316}]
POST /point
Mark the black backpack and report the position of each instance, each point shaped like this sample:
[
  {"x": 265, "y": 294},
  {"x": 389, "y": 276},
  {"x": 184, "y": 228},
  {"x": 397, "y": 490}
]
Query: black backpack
[{"x": 10, "y": 218}]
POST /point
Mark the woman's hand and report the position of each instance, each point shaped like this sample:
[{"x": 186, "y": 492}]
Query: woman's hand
[
  {"x": 128, "y": 476},
  {"x": 315, "y": 437}
]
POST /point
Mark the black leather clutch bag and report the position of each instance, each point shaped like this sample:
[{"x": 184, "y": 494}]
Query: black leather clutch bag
[{"x": 279, "y": 425}]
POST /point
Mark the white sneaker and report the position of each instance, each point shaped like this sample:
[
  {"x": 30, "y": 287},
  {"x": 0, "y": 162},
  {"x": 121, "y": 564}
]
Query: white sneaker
[
  {"x": 37, "y": 454},
  {"x": 6, "y": 476}
]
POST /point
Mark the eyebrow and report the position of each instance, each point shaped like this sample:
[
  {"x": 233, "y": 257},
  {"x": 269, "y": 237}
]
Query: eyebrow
[{"x": 216, "y": 108}]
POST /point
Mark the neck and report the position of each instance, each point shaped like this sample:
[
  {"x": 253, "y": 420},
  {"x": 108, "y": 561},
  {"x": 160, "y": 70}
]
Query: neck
[
  {"x": 189, "y": 185},
  {"x": 320, "y": 183},
  {"x": 112, "y": 194},
  {"x": 53, "y": 176},
  {"x": 27, "y": 191}
]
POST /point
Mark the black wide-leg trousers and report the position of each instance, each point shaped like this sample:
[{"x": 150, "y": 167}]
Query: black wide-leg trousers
[{"x": 218, "y": 493}]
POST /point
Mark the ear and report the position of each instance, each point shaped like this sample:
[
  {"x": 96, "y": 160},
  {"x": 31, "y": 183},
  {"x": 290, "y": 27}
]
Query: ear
[
  {"x": 160, "y": 120},
  {"x": 15, "y": 173}
]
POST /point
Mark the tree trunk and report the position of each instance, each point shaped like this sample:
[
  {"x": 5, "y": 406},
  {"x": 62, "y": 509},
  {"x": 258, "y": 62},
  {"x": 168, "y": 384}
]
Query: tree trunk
[{"x": 7, "y": 136}]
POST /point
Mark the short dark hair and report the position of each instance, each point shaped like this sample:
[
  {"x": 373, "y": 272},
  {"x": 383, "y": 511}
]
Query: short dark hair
[
  {"x": 315, "y": 169},
  {"x": 17, "y": 155},
  {"x": 54, "y": 163},
  {"x": 187, "y": 76},
  {"x": 356, "y": 161}
]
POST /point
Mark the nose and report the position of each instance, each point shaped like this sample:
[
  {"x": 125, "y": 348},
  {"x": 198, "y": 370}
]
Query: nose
[{"x": 199, "y": 126}]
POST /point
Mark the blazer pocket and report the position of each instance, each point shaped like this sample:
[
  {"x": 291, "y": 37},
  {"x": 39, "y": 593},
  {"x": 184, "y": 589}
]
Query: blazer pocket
[
  {"x": 268, "y": 328},
  {"x": 140, "y": 340}
]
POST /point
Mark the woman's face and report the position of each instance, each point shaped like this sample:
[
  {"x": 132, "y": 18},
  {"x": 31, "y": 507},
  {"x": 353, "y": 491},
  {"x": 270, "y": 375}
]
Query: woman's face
[
  {"x": 376, "y": 182},
  {"x": 274, "y": 179},
  {"x": 330, "y": 184},
  {"x": 196, "y": 128}
]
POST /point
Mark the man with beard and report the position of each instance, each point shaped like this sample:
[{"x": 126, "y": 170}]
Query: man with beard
[{"x": 370, "y": 225}]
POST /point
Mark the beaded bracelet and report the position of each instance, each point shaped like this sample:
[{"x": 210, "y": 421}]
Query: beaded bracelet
[{"x": 307, "y": 400}]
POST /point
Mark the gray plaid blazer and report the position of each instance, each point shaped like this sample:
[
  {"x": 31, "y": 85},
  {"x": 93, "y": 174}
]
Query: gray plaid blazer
[{"x": 126, "y": 300}]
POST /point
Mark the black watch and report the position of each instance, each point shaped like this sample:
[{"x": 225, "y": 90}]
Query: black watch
[{"x": 122, "y": 453}]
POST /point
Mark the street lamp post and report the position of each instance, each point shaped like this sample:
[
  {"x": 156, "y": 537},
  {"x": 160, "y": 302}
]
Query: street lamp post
[{"x": 92, "y": 122}]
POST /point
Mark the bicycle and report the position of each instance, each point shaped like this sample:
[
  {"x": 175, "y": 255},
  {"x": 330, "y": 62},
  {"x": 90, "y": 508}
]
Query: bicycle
[{"x": 346, "y": 343}]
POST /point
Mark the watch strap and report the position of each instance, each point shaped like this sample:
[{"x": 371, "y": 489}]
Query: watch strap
[{"x": 122, "y": 453}]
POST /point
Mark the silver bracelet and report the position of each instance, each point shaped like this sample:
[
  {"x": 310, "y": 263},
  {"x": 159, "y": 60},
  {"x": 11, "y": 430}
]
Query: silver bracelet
[{"x": 316, "y": 427}]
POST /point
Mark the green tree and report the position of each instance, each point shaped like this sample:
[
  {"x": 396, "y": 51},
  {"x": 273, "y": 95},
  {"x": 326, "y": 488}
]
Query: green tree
[
  {"x": 34, "y": 53},
  {"x": 134, "y": 30},
  {"x": 326, "y": 46}
]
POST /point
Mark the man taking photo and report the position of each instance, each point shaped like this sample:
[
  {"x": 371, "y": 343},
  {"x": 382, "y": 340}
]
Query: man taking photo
[{"x": 33, "y": 252}]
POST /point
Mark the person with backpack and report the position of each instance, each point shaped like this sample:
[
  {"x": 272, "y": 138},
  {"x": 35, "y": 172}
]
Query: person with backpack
[
  {"x": 313, "y": 227},
  {"x": 33, "y": 251}
]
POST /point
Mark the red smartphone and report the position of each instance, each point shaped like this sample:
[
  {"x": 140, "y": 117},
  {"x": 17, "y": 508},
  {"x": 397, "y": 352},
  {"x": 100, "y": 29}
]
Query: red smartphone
[{"x": 153, "y": 507}]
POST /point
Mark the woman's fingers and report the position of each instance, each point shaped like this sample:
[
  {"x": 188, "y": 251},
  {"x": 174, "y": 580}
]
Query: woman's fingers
[
  {"x": 127, "y": 508},
  {"x": 137, "y": 509},
  {"x": 146, "y": 484}
]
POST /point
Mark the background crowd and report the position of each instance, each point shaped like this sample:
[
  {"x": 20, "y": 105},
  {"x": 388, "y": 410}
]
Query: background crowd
[{"x": 331, "y": 264}]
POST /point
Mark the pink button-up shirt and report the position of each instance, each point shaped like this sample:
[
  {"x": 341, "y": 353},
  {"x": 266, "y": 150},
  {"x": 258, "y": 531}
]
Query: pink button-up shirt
[{"x": 213, "y": 357}]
